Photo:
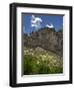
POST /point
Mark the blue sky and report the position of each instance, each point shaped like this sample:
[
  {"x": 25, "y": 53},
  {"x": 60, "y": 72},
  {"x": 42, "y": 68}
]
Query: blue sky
[{"x": 55, "y": 20}]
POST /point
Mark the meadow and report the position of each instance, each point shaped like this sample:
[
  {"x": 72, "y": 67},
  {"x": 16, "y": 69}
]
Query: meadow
[{"x": 40, "y": 61}]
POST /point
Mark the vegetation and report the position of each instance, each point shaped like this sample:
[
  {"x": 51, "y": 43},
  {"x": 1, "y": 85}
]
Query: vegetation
[{"x": 40, "y": 61}]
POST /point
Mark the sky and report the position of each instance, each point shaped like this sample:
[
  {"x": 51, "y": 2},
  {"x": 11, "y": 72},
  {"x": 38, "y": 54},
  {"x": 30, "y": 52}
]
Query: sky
[{"x": 33, "y": 22}]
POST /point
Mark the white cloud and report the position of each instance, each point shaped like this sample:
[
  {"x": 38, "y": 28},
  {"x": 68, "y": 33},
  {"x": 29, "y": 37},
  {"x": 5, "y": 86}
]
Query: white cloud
[
  {"x": 33, "y": 25},
  {"x": 50, "y": 26},
  {"x": 36, "y": 22},
  {"x": 35, "y": 19}
]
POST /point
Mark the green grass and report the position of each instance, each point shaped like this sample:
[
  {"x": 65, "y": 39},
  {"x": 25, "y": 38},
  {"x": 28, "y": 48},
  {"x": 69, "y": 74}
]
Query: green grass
[{"x": 42, "y": 63}]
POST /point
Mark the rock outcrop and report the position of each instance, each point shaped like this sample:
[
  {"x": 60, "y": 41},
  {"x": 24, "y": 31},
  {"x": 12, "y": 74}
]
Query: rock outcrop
[{"x": 47, "y": 39}]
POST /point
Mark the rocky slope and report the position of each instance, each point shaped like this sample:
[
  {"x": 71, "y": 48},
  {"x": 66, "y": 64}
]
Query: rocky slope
[{"x": 47, "y": 39}]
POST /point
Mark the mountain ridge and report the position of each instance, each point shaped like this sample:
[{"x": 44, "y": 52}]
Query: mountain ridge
[{"x": 47, "y": 39}]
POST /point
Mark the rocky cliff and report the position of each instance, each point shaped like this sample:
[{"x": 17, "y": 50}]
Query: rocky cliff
[{"x": 47, "y": 39}]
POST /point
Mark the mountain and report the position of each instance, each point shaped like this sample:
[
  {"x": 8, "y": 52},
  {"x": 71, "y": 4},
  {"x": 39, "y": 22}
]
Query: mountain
[{"x": 47, "y": 39}]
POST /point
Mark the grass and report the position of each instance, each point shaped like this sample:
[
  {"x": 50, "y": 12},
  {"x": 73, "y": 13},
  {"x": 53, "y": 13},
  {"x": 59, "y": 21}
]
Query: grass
[{"x": 38, "y": 61}]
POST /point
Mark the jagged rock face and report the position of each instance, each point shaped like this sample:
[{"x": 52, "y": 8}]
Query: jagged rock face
[{"x": 47, "y": 39}]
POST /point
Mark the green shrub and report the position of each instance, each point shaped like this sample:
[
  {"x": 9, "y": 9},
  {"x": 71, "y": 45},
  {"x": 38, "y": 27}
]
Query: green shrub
[
  {"x": 30, "y": 65},
  {"x": 36, "y": 65}
]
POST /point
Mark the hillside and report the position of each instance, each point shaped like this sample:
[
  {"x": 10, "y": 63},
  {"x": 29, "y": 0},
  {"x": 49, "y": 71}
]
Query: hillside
[
  {"x": 43, "y": 52},
  {"x": 47, "y": 39},
  {"x": 40, "y": 61}
]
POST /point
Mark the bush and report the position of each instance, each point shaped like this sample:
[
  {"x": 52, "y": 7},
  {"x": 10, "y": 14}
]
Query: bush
[{"x": 36, "y": 65}]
